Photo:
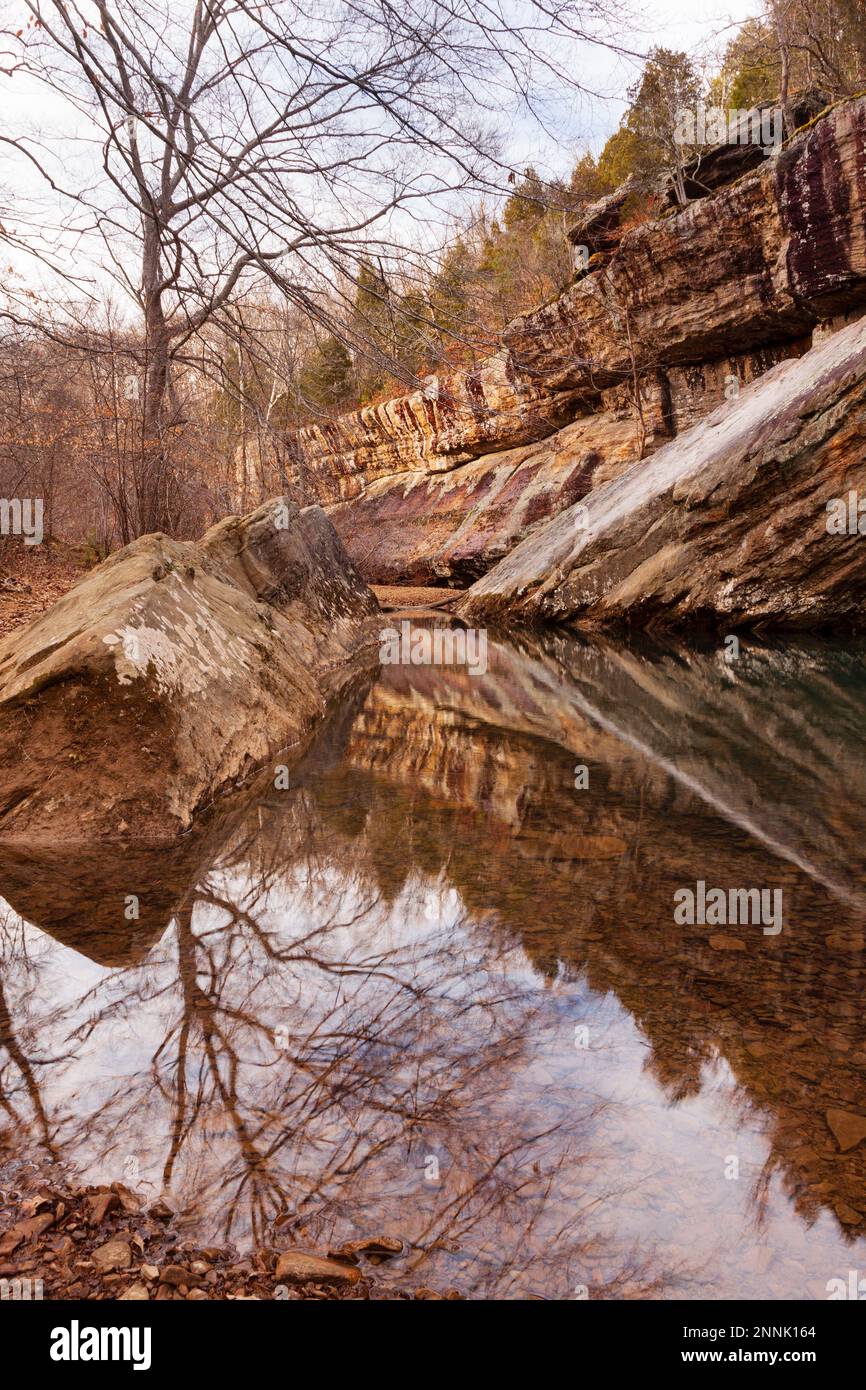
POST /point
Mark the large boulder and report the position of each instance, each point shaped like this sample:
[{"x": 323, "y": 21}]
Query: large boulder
[
  {"x": 172, "y": 671},
  {"x": 727, "y": 523}
]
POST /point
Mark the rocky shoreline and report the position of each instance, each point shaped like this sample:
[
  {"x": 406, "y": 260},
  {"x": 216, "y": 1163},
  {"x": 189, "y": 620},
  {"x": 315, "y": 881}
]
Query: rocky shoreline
[{"x": 59, "y": 1241}]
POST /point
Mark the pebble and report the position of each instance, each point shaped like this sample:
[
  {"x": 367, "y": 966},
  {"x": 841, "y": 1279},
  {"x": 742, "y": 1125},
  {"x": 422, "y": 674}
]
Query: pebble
[
  {"x": 298, "y": 1267},
  {"x": 381, "y": 1246},
  {"x": 115, "y": 1254},
  {"x": 847, "y": 1129},
  {"x": 99, "y": 1205}
]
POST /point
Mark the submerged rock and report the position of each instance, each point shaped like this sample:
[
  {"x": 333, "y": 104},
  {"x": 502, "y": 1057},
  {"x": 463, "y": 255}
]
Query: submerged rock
[
  {"x": 71, "y": 1264},
  {"x": 729, "y": 522},
  {"x": 848, "y": 1129},
  {"x": 299, "y": 1267},
  {"x": 172, "y": 671},
  {"x": 115, "y": 1254}
]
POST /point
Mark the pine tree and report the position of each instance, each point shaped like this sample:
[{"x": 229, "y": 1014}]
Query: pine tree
[{"x": 325, "y": 381}]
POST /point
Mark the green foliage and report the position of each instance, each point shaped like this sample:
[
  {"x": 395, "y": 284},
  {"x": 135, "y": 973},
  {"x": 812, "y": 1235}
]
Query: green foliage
[
  {"x": 503, "y": 263},
  {"x": 452, "y": 288},
  {"x": 826, "y": 45},
  {"x": 750, "y": 69},
  {"x": 372, "y": 327},
  {"x": 620, "y": 158},
  {"x": 587, "y": 182},
  {"x": 646, "y": 144},
  {"x": 527, "y": 204},
  {"x": 670, "y": 84},
  {"x": 326, "y": 379}
]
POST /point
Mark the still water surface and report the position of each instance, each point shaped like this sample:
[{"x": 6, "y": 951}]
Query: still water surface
[{"x": 435, "y": 988}]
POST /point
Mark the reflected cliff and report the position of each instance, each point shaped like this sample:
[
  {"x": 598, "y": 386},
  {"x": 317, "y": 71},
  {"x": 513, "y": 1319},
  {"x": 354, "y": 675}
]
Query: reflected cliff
[{"x": 433, "y": 986}]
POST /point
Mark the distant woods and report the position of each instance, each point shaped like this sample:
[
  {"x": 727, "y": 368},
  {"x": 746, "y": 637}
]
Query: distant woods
[{"x": 248, "y": 225}]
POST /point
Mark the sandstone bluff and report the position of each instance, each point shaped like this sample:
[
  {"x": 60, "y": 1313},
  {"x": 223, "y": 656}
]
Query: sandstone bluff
[
  {"x": 659, "y": 445},
  {"x": 440, "y": 485}
]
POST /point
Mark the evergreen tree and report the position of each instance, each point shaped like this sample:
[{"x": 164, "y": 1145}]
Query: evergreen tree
[
  {"x": 325, "y": 381},
  {"x": 372, "y": 329}
]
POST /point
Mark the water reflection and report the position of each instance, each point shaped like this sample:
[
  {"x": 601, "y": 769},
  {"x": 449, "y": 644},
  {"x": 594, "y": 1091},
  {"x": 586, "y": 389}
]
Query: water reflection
[{"x": 435, "y": 990}]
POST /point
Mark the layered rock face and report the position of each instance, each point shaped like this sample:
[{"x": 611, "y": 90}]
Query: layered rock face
[
  {"x": 425, "y": 527},
  {"x": 761, "y": 263},
  {"x": 455, "y": 418},
  {"x": 689, "y": 307},
  {"x": 171, "y": 671},
  {"x": 738, "y": 520}
]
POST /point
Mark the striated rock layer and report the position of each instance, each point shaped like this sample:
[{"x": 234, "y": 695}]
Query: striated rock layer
[
  {"x": 760, "y": 263},
  {"x": 455, "y": 418},
  {"x": 689, "y": 307},
  {"x": 425, "y": 527},
  {"x": 171, "y": 671},
  {"x": 729, "y": 522}
]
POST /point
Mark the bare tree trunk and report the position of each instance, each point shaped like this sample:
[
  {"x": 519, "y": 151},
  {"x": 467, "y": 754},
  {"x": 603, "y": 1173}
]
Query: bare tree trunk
[
  {"x": 779, "y": 20},
  {"x": 152, "y": 499}
]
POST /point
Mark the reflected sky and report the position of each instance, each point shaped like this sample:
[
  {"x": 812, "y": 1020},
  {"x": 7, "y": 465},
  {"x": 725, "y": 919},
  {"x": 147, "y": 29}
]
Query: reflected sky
[{"x": 434, "y": 990}]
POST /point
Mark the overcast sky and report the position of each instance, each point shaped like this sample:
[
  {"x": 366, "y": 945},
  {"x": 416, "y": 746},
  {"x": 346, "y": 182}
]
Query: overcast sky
[{"x": 700, "y": 27}]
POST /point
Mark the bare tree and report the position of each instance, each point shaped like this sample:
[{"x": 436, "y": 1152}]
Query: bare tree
[{"x": 226, "y": 142}]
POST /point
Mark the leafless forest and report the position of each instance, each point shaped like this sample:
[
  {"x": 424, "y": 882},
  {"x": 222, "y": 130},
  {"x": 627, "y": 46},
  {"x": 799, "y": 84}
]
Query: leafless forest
[{"x": 220, "y": 221}]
